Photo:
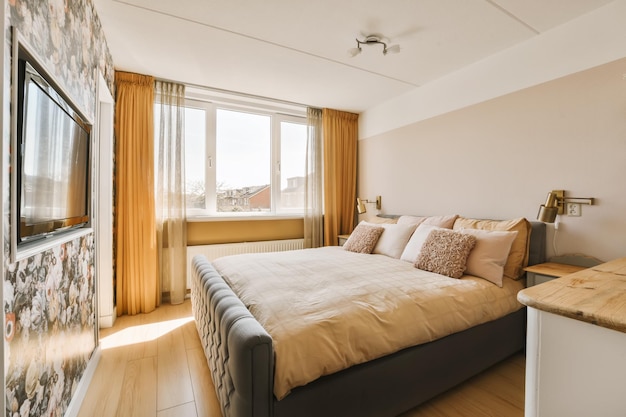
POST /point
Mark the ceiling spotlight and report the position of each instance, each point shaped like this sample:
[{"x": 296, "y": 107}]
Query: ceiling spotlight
[{"x": 373, "y": 40}]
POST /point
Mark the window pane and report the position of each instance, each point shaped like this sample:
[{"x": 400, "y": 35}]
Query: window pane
[
  {"x": 195, "y": 148},
  {"x": 243, "y": 162},
  {"x": 292, "y": 157}
]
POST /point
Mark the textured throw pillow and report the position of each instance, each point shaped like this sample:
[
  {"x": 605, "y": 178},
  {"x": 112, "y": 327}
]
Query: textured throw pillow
[
  {"x": 363, "y": 238},
  {"x": 393, "y": 240},
  {"x": 488, "y": 257},
  {"x": 414, "y": 246},
  {"x": 518, "y": 256},
  {"x": 445, "y": 252}
]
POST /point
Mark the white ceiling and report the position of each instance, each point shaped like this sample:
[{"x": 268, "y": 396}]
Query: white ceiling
[{"x": 296, "y": 50}]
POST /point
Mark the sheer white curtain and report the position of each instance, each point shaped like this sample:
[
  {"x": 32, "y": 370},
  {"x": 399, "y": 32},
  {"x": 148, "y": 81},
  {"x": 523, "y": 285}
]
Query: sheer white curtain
[
  {"x": 170, "y": 189},
  {"x": 313, "y": 200}
]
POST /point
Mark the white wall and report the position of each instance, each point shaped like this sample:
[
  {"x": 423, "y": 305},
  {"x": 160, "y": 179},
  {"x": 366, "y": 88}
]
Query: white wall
[
  {"x": 591, "y": 40},
  {"x": 492, "y": 140},
  {"x": 499, "y": 159}
]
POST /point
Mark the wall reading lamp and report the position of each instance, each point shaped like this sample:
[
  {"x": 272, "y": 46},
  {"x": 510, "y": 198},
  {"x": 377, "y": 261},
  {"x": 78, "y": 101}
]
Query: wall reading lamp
[
  {"x": 555, "y": 204},
  {"x": 360, "y": 204}
]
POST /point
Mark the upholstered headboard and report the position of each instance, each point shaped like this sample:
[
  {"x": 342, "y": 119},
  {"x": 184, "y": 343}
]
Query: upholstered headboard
[{"x": 537, "y": 249}]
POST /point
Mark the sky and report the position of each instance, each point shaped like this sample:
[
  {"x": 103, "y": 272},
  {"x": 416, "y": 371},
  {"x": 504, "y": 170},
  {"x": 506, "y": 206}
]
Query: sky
[{"x": 243, "y": 146}]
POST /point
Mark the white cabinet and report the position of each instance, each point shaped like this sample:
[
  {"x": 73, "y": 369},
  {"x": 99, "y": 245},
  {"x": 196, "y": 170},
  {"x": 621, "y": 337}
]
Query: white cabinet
[
  {"x": 573, "y": 368},
  {"x": 576, "y": 343}
]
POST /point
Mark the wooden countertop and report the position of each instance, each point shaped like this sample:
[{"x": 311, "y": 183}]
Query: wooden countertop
[{"x": 596, "y": 295}]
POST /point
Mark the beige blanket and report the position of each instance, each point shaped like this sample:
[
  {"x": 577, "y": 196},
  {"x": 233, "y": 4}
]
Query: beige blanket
[{"x": 328, "y": 309}]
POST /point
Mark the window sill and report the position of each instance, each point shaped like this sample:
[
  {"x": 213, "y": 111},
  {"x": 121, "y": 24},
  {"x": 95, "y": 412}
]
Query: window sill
[{"x": 242, "y": 217}]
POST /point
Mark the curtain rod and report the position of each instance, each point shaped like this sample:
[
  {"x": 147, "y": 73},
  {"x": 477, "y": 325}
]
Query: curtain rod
[{"x": 235, "y": 93}]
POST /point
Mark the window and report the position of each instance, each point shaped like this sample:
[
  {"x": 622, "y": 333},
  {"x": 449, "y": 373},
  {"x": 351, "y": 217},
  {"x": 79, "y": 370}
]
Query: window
[{"x": 243, "y": 161}]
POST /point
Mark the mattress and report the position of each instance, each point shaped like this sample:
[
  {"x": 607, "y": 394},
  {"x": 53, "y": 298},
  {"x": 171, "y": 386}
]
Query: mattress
[{"x": 328, "y": 309}]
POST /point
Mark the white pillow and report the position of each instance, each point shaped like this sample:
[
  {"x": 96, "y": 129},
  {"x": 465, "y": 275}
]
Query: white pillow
[
  {"x": 416, "y": 220},
  {"x": 415, "y": 243},
  {"x": 394, "y": 239},
  {"x": 490, "y": 253}
]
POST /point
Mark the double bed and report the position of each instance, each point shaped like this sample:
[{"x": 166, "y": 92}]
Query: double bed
[{"x": 334, "y": 332}]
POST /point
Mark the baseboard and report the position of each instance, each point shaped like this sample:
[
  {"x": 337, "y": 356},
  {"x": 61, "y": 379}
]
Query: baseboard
[
  {"x": 107, "y": 321},
  {"x": 81, "y": 391}
]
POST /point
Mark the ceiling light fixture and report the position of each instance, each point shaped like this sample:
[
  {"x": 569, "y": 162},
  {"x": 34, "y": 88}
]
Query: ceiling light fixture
[{"x": 373, "y": 40}]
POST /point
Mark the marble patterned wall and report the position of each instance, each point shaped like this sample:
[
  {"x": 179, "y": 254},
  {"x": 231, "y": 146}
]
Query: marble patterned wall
[
  {"x": 68, "y": 38},
  {"x": 49, "y": 327},
  {"x": 49, "y": 298}
]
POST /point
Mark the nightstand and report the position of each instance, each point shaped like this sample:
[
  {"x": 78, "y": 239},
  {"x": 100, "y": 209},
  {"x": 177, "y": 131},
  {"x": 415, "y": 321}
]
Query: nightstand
[
  {"x": 341, "y": 239},
  {"x": 540, "y": 273}
]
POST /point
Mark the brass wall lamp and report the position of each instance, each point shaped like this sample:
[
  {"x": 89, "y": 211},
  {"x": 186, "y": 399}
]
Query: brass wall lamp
[
  {"x": 555, "y": 204},
  {"x": 360, "y": 204}
]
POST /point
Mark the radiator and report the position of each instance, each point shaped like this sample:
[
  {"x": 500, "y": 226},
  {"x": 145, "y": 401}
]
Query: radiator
[{"x": 212, "y": 252}]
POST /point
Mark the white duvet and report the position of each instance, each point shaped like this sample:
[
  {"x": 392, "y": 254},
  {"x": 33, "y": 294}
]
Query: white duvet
[{"x": 327, "y": 309}]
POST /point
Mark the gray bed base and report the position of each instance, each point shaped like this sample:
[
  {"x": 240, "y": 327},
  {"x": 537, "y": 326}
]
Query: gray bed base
[{"x": 241, "y": 360}]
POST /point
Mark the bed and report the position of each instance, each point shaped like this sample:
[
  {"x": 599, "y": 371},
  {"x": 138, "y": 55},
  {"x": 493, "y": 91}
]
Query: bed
[{"x": 248, "y": 367}]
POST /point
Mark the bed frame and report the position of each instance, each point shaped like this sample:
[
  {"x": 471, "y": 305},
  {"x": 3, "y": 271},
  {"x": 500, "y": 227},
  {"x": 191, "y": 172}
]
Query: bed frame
[{"x": 241, "y": 359}]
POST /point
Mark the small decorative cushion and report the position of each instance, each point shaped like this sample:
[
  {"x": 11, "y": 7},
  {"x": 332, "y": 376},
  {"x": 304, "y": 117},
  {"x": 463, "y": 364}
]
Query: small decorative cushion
[
  {"x": 363, "y": 238},
  {"x": 440, "y": 221},
  {"x": 445, "y": 252},
  {"x": 415, "y": 243},
  {"x": 393, "y": 240},
  {"x": 518, "y": 256},
  {"x": 488, "y": 257}
]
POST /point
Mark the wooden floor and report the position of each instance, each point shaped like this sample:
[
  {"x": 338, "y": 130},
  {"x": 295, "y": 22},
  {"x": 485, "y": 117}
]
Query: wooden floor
[{"x": 152, "y": 365}]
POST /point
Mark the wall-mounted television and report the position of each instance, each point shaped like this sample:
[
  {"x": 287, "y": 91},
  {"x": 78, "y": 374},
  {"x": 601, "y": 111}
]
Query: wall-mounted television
[{"x": 51, "y": 188}]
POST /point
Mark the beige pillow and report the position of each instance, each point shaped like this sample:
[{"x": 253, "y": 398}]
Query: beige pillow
[
  {"x": 393, "y": 240},
  {"x": 363, "y": 238},
  {"x": 440, "y": 221},
  {"x": 490, "y": 253},
  {"x": 518, "y": 256},
  {"x": 445, "y": 252},
  {"x": 414, "y": 245},
  {"x": 382, "y": 220}
]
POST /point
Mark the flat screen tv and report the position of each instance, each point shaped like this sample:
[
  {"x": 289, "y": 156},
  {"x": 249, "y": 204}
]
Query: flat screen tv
[{"x": 53, "y": 141}]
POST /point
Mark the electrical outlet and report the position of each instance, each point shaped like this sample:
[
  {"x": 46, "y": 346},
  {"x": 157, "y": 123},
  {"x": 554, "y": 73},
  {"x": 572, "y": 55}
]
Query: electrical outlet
[{"x": 573, "y": 209}]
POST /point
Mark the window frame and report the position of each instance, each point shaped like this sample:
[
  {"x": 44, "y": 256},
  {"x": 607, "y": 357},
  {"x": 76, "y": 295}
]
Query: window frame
[
  {"x": 276, "y": 153},
  {"x": 278, "y": 114}
]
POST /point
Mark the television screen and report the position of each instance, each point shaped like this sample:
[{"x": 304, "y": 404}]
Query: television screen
[{"x": 54, "y": 160}]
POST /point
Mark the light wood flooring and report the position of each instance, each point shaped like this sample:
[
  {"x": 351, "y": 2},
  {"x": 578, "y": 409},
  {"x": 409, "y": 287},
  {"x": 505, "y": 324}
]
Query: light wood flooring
[{"x": 152, "y": 365}]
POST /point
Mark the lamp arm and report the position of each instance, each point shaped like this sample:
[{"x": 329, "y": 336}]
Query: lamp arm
[
  {"x": 578, "y": 200},
  {"x": 360, "y": 203},
  {"x": 555, "y": 204}
]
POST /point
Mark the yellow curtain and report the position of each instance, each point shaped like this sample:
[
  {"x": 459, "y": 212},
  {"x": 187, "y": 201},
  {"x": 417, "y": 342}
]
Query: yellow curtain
[
  {"x": 137, "y": 286},
  {"x": 340, "y": 159}
]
